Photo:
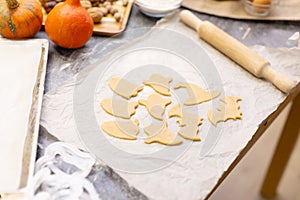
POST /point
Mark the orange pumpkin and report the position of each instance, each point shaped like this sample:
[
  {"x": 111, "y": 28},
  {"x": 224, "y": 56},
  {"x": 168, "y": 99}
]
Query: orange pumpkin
[
  {"x": 69, "y": 25},
  {"x": 20, "y": 19}
]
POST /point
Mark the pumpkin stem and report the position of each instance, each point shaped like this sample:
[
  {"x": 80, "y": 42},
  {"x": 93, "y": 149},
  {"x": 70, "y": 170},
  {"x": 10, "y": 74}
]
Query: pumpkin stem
[
  {"x": 73, "y": 2},
  {"x": 12, "y": 4}
]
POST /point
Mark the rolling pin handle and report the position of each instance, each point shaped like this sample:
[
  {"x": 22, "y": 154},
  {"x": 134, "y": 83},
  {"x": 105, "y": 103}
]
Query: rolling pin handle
[
  {"x": 237, "y": 51},
  {"x": 190, "y": 19},
  {"x": 279, "y": 80}
]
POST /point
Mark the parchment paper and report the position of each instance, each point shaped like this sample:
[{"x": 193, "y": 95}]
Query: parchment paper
[
  {"x": 192, "y": 176},
  {"x": 287, "y": 10}
]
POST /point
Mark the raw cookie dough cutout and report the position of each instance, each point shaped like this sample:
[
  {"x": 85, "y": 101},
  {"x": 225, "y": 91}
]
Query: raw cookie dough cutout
[
  {"x": 119, "y": 108},
  {"x": 124, "y": 88},
  {"x": 159, "y": 84},
  {"x": 196, "y": 94},
  {"x": 230, "y": 110},
  {"x": 189, "y": 121},
  {"x": 127, "y": 130},
  {"x": 161, "y": 134},
  {"x": 155, "y": 105}
]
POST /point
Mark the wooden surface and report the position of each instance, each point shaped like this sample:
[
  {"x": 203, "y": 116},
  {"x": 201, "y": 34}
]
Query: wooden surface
[
  {"x": 258, "y": 134},
  {"x": 109, "y": 26},
  {"x": 287, "y": 10},
  {"x": 283, "y": 151}
]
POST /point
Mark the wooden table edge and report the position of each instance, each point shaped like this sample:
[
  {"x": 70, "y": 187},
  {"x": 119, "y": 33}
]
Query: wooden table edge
[{"x": 262, "y": 128}]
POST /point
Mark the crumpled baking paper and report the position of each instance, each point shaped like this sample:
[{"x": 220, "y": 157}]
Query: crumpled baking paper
[{"x": 192, "y": 175}]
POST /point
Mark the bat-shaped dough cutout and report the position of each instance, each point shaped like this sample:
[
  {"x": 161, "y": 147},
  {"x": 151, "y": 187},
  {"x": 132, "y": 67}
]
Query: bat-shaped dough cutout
[
  {"x": 161, "y": 134},
  {"x": 155, "y": 105},
  {"x": 229, "y": 110},
  {"x": 127, "y": 130},
  {"x": 119, "y": 108},
  {"x": 196, "y": 94},
  {"x": 124, "y": 88},
  {"x": 159, "y": 84},
  {"x": 189, "y": 121}
]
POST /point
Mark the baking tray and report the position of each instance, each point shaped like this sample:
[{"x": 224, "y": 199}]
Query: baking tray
[
  {"x": 31, "y": 135},
  {"x": 108, "y": 25}
]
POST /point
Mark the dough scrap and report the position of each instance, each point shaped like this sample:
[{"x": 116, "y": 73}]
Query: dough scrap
[
  {"x": 127, "y": 130},
  {"x": 119, "y": 108},
  {"x": 155, "y": 105},
  {"x": 159, "y": 83},
  {"x": 161, "y": 134},
  {"x": 230, "y": 110},
  {"x": 196, "y": 94},
  {"x": 124, "y": 88},
  {"x": 189, "y": 121}
]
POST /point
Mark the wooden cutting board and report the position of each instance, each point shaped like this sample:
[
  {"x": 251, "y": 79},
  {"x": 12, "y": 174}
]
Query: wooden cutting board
[{"x": 286, "y": 10}]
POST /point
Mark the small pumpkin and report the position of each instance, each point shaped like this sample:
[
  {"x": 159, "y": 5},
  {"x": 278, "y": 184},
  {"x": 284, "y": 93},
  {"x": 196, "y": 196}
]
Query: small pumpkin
[
  {"x": 20, "y": 19},
  {"x": 69, "y": 25}
]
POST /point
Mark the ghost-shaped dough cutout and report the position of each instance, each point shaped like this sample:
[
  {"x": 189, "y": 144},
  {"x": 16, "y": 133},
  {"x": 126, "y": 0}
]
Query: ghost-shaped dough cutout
[
  {"x": 127, "y": 130},
  {"x": 188, "y": 121},
  {"x": 161, "y": 134},
  {"x": 229, "y": 110},
  {"x": 159, "y": 84},
  {"x": 155, "y": 105},
  {"x": 119, "y": 108},
  {"x": 196, "y": 94},
  {"x": 124, "y": 88}
]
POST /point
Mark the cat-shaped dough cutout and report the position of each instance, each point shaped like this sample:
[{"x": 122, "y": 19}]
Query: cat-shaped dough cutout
[
  {"x": 229, "y": 110},
  {"x": 188, "y": 121},
  {"x": 155, "y": 105},
  {"x": 161, "y": 134},
  {"x": 196, "y": 94},
  {"x": 119, "y": 108},
  {"x": 124, "y": 88},
  {"x": 159, "y": 84},
  {"x": 126, "y": 129}
]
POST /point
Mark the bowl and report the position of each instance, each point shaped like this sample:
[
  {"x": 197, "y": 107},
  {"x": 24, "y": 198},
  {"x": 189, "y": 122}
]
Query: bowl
[
  {"x": 157, "y": 8},
  {"x": 260, "y": 8}
]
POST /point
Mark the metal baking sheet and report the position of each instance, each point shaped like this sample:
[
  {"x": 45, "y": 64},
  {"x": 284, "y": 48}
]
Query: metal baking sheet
[{"x": 23, "y": 63}]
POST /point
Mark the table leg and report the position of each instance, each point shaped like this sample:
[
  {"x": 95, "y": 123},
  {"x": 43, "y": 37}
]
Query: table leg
[{"x": 283, "y": 150}]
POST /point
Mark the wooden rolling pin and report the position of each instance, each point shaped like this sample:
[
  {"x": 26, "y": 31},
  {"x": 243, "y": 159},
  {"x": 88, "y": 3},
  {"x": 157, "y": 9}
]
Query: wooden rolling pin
[{"x": 237, "y": 51}]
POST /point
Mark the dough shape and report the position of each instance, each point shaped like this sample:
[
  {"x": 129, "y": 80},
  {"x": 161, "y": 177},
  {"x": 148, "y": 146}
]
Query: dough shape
[
  {"x": 161, "y": 134},
  {"x": 119, "y": 108},
  {"x": 196, "y": 94},
  {"x": 189, "y": 121},
  {"x": 155, "y": 105},
  {"x": 160, "y": 84},
  {"x": 230, "y": 110},
  {"x": 122, "y": 129},
  {"x": 124, "y": 88}
]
